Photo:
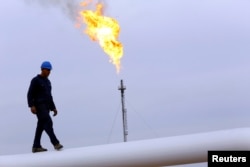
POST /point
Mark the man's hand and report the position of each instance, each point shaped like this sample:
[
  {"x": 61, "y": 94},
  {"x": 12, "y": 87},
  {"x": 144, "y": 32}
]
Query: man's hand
[
  {"x": 55, "y": 112},
  {"x": 33, "y": 109}
]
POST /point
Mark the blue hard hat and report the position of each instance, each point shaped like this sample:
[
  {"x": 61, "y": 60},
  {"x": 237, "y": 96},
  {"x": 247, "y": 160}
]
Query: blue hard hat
[{"x": 46, "y": 65}]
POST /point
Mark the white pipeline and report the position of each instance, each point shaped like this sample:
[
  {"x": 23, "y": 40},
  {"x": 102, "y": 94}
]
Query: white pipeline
[{"x": 145, "y": 153}]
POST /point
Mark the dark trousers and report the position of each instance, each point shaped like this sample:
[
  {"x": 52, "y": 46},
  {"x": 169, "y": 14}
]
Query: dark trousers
[{"x": 44, "y": 123}]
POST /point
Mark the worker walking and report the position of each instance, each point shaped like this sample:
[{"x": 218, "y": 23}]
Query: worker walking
[{"x": 41, "y": 102}]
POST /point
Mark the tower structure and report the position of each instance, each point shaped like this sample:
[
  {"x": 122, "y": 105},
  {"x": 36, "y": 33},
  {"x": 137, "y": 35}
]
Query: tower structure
[{"x": 122, "y": 88}]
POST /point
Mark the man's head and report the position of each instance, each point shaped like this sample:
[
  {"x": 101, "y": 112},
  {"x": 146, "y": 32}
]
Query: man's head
[{"x": 45, "y": 68}]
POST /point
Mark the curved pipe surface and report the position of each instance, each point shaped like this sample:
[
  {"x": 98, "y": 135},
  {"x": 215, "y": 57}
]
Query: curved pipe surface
[{"x": 174, "y": 150}]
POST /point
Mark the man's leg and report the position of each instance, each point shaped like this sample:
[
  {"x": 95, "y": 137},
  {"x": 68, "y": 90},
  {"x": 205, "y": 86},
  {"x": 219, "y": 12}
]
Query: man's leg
[
  {"x": 41, "y": 115},
  {"x": 38, "y": 135},
  {"x": 48, "y": 127},
  {"x": 37, "y": 145}
]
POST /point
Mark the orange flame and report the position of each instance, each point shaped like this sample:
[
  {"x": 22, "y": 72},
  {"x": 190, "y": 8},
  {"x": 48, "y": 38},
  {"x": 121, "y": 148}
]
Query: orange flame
[{"x": 105, "y": 30}]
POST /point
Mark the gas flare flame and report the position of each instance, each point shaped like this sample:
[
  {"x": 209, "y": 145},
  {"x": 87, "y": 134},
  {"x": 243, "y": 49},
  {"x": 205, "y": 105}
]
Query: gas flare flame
[{"x": 104, "y": 30}]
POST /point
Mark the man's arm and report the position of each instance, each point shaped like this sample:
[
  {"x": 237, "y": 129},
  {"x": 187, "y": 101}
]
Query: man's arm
[
  {"x": 30, "y": 96},
  {"x": 53, "y": 106}
]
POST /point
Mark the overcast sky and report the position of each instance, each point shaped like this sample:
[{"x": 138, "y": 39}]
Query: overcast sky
[{"x": 186, "y": 67}]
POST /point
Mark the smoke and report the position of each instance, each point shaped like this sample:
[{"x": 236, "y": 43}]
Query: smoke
[{"x": 70, "y": 8}]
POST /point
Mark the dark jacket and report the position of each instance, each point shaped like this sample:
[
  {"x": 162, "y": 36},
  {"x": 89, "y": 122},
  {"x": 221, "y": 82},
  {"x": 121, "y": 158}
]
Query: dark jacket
[{"x": 40, "y": 92}]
